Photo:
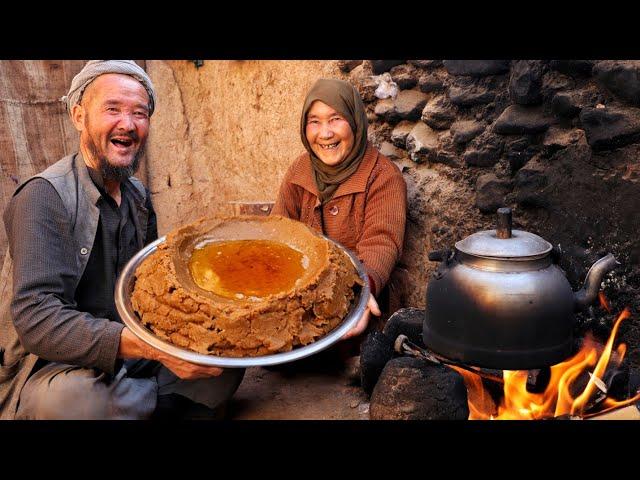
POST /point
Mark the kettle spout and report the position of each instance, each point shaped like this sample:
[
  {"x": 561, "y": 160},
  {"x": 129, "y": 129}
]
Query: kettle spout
[{"x": 588, "y": 293}]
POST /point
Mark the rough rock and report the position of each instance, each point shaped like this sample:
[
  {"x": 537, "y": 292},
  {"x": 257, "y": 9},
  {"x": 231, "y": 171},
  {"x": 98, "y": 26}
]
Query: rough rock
[
  {"x": 574, "y": 68},
  {"x": 412, "y": 389},
  {"x": 375, "y": 352},
  {"x": 438, "y": 113},
  {"x": 360, "y": 76},
  {"x": 464, "y": 131},
  {"x": 519, "y": 119},
  {"x": 422, "y": 142},
  {"x": 405, "y": 76},
  {"x": 558, "y": 138},
  {"x": 426, "y": 63},
  {"x": 381, "y": 66},
  {"x": 446, "y": 151},
  {"x": 611, "y": 127},
  {"x": 569, "y": 103},
  {"x": 476, "y": 68},
  {"x": 406, "y": 321},
  {"x": 386, "y": 109},
  {"x": 519, "y": 151},
  {"x": 525, "y": 83},
  {"x": 622, "y": 78},
  {"x": 400, "y": 132},
  {"x": 484, "y": 150},
  {"x": 466, "y": 92},
  {"x": 553, "y": 82},
  {"x": 347, "y": 65},
  {"x": 409, "y": 104},
  {"x": 432, "y": 81},
  {"x": 390, "y": 151}
]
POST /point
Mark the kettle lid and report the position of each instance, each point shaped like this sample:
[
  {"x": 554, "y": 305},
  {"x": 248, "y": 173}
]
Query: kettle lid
[
  {"x": 503, "y": 242},
  {"x": 521, "y": 244}
]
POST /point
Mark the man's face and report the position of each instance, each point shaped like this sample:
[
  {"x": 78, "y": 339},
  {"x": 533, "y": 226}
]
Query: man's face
[
  {"x": 328, "y": 133},
  {"x": 113, "y": 120}
]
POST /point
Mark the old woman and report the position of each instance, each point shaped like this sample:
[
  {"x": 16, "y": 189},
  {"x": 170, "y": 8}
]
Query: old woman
[{"x": 343, "y": 187}]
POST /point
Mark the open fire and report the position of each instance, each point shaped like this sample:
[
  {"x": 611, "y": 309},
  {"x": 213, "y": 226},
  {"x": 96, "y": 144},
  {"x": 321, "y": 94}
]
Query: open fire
[{"x": 565, "y": 395}]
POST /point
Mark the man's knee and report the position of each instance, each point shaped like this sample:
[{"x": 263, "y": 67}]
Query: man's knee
[{"x": 59, "y": 392}]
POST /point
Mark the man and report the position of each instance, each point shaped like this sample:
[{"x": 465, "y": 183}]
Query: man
[{"x": 64, "y": 353}]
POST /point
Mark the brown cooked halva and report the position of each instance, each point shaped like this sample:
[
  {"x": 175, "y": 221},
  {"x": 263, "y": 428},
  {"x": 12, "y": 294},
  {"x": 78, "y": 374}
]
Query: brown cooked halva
[{"x": 183, "y": 299}]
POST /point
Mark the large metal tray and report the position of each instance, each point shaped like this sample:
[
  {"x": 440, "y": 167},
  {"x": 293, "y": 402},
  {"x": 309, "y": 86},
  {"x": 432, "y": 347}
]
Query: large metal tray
[{"x": 124, "y": 288}]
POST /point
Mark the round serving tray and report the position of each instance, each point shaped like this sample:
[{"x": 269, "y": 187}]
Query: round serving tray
[{"x": 124, "y": 288}]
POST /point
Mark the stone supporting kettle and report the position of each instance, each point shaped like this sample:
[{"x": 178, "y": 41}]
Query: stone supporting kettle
[{"x": 498, "y": 300}]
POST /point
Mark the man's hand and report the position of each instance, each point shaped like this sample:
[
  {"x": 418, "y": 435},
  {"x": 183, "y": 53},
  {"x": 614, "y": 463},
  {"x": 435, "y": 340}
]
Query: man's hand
[
  {"x": 372, "y": 307},
  {"x": 132, "y": 347}
]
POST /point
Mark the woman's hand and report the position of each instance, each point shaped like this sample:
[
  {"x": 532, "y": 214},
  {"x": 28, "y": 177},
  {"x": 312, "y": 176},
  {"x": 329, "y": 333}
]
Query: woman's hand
[{"x": 372, "y": 307}]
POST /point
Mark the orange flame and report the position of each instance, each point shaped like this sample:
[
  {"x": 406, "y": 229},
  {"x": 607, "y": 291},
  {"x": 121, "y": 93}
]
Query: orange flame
[
  {"x": 478, "y": 397},
  {"x": 557, "y": 399},
  {"x": 604, "y": 303}
]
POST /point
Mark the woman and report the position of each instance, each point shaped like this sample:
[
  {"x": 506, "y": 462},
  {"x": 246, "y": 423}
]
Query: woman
[{"x": 343, "y": 187}]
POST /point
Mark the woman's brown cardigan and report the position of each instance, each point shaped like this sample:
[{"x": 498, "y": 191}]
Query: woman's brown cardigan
[{"x": 367, "y": 214}]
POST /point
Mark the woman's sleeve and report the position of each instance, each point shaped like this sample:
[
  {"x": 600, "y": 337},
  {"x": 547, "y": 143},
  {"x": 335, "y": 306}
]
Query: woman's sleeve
[{"x": 380, "y": 245}]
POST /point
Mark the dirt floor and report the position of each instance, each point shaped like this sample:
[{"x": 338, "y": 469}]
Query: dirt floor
[{"x": 287, "y": 393}]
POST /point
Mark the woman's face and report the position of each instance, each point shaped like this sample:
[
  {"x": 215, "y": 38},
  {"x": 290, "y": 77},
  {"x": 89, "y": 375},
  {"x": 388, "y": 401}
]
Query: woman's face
[{"x": 328, "y": 133}]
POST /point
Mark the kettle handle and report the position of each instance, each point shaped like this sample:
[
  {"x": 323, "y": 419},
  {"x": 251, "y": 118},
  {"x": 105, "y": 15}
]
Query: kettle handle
[
  {"x": 556, "y": 254},
  {"x": 439, "y": 255}
]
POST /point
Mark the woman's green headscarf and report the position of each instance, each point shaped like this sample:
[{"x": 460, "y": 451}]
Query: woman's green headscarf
[{"x": 345, "y": 99}]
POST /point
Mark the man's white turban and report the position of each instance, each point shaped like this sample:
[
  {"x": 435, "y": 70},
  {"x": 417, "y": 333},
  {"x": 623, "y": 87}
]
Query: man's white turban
[{"x": 95, "y": 68}]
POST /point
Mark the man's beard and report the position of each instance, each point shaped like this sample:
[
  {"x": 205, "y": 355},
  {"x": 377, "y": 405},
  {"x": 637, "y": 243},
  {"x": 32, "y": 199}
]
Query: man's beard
[{"x": 111, "y": 172}]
